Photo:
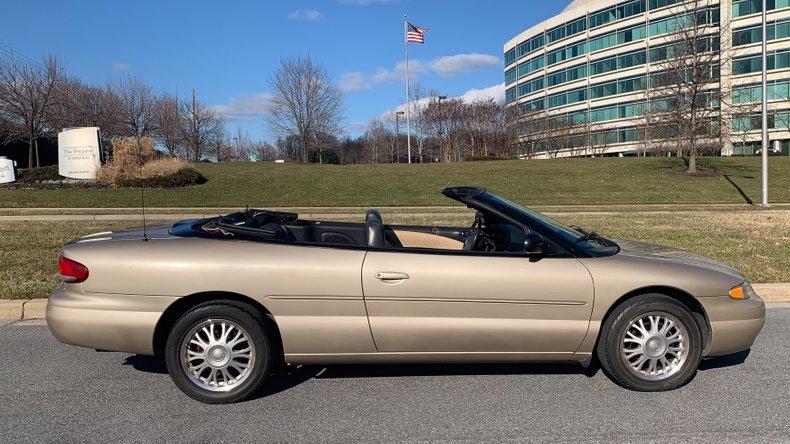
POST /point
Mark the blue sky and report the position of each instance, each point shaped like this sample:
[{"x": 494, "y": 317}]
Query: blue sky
[{"x": 228, "y": 50}]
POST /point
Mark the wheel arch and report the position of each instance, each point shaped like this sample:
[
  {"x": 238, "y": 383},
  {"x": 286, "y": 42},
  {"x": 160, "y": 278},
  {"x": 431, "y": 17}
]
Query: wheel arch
[
  {"x": 186, "y": 303},
  {"x": 687, "y": 299}
]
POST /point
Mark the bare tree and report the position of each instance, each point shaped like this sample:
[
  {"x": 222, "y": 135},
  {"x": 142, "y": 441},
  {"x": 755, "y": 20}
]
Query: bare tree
[
  {"x": 264, "y": 151},
  {"x": 376, "y": 139},
  {"x": 136, "y": 106},
  {"x": 168, "y": 123},
  {"x": 688, "y": 78},
  {"x": 202, "y": 127},
  {"x": 27, "y": 94},
  {"x": 305, "y": 103}
]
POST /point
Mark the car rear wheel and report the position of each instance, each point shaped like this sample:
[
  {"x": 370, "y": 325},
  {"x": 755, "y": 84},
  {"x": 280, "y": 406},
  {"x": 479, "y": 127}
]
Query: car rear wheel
[
  {"x": 650, "y": 343},
  {"x": 218, "y": 352}
]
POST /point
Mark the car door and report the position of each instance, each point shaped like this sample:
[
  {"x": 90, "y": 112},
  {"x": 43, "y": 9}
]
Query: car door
[{"x": 421, "y": 302}]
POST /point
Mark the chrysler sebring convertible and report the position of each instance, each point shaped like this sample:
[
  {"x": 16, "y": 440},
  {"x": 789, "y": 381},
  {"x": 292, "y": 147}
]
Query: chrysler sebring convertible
[{"x": 229, "y": 300}]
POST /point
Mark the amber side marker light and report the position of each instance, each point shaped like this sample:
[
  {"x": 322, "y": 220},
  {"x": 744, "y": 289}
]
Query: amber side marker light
[{"x": 739, "y": 292}]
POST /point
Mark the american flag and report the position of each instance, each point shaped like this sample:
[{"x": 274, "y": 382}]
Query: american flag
[{"x": 415, "y": 34}]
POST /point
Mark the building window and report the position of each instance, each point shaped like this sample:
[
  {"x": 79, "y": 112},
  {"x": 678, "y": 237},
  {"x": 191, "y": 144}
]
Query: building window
[
  {"x": 754, "y": 63},
  {"x": 746, "y": 7},
  {"x": 531, "y": 66},
  {"x": 777, "y": 90},
  {"x": 620, "y": 12},
  {"x": 657, "y": 4},
  {"x": 510, "y": 95},
  {"x": 510, "y": 76},
  {"x": 754, "y": 34},
  {"x": 567, "y": 75},
  {"x": 510, "y": 57},
  {"x": 530, "y": 87}
]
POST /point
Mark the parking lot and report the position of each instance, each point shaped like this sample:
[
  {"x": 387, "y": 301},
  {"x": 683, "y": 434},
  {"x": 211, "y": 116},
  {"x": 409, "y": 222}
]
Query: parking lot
[{"x": 54, "y": 392}]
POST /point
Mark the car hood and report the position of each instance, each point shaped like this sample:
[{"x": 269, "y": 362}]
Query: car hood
[{"x": 660, "y": 252}]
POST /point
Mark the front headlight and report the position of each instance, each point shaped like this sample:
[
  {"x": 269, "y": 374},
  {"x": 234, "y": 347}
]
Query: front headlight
[{"x": 743, "y": 291}]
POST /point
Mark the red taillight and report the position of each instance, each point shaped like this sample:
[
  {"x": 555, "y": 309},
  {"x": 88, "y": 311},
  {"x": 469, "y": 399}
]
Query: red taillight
[{"x": 72, "y": 271}]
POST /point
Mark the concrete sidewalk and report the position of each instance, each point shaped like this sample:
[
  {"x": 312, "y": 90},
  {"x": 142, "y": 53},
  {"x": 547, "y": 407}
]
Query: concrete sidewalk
[{"x": 15, "y": 310}]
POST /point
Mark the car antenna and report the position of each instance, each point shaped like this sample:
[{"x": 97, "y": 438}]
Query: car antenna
[{"x": 142, "y": 189}]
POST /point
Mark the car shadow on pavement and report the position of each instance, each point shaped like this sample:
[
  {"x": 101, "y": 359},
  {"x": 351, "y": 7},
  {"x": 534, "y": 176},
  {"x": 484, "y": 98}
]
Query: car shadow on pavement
[
  {"x": 724, "y": 361},
  {"x": 294, "y": 375},
  {"x": 147, "y": 364}
]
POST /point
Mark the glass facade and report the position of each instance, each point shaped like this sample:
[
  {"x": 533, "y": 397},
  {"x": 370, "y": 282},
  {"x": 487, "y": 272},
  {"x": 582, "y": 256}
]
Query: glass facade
[
  {"x": 754, "y": 63},
  {"x": 569, "y": 72},
  {"x": 741, "y": 8},
  {"x": 779, "y": 29}
]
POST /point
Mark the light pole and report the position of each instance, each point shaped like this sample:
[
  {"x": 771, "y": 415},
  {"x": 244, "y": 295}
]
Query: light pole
[
  {"x": 765, "y": 106},
  {"x": 397, "y": 135}
]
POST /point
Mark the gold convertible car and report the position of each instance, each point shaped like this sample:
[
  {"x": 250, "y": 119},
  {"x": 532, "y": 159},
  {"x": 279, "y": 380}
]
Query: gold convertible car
[{"x": 230, "y": 299}]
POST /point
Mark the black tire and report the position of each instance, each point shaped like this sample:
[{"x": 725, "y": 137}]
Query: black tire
[
  {"x": 614, "y": 332},
  {"x": 243, "y": 316}
]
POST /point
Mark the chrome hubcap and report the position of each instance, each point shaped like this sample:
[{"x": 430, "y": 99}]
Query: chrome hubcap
[
  {"x": 217, "y": 355},
  {"x": 654, "y": 346}
]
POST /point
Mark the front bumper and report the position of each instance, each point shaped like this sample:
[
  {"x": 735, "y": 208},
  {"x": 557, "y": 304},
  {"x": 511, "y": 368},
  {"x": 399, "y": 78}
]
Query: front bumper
[
  {"x": 734, "y": 324},
  {"x": 113, "y": 322}
]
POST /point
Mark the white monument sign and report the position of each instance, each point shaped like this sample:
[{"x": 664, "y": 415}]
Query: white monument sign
[
  {"x": 6, "y": 170},
  {"x": 79, "y": 152}
]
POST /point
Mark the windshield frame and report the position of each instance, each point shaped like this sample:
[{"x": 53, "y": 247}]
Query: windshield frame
[{"x": 569, "y": 238}]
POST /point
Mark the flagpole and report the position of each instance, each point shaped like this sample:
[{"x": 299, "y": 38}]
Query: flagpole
[{"x": 408, "y": 108}]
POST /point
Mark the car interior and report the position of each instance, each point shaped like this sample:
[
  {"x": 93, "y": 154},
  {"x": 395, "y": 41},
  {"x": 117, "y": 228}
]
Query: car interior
[{"x": 488, "y": 233}]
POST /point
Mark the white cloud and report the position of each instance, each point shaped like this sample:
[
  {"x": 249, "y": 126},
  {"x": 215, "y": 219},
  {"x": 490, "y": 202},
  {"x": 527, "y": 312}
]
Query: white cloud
[
  {"x": 496, "y": 92},
  {"x": 353, "y": 81},
  {"x": 357, "y": 127},
  {"x": 383, "y": 75},
  {"x": 246, "y": 106},
  {"x": 307, "y": 15},
  {"x": 448, "y": 66},
  {"x": 121, "y": 67}
]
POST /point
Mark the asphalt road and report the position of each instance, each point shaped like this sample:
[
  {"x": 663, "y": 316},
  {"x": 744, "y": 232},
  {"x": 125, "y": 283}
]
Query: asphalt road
[{"x": 54, "y": 392}]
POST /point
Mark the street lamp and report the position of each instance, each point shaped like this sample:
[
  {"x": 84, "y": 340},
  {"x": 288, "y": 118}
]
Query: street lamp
[{"x": 397, "y": 135}]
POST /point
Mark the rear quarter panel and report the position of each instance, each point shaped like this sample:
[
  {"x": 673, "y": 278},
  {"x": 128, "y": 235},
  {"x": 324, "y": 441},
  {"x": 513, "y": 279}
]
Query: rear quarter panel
[{"x": 314, "y": 294}]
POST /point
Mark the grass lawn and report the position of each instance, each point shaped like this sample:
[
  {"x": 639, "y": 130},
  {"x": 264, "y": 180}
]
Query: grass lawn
[
  {"x": 601, "y": 181},
  {"x": 757, "y": 242}
]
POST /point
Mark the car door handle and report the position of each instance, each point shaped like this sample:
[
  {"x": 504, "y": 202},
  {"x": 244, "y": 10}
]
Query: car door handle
[{"x": 390, "y": 276}]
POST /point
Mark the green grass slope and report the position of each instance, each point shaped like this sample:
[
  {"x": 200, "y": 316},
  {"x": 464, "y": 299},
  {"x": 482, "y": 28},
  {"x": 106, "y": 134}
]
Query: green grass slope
[{"x": 556, "y": 182}]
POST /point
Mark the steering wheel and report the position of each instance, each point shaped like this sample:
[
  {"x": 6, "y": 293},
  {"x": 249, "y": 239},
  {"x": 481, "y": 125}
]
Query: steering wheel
[{"x": 471, "y": 239}]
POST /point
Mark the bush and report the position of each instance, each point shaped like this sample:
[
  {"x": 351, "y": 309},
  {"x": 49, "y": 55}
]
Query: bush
[
  {"x": 36, "y": 175},
  {"x": 182, "y": 178},
  {"x": 134, "y": 164},
  {"x": 129, "y": 154}
]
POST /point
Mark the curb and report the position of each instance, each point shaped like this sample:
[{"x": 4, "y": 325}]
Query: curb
[
  {"x": 29, "y": 309},
  {"x": 22, "y": 310}
]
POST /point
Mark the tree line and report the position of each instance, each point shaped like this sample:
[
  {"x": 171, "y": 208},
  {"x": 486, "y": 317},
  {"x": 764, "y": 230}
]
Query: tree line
[{"x": 39, "y": 98}]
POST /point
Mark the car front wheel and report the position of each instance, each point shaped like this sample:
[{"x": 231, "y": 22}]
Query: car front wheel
[
  {"x": 650, "y": 343},
  {"x": 218, "y": 352}
]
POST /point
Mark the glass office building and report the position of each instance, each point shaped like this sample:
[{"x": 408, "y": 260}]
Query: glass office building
[{"x": 593, "y": 63}]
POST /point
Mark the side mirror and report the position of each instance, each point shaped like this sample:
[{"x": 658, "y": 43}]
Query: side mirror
[{"x": 534, "y": 243}]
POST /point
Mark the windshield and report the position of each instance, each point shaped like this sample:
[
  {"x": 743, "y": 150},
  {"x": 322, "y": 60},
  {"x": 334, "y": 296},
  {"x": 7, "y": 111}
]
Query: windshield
[{"x": 543, "y": 224}]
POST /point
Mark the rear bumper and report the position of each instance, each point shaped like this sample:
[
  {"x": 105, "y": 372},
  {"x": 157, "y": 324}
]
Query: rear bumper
[
  {"x": 734, "y": 324},
  {"x": 113, "y": 322}
]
